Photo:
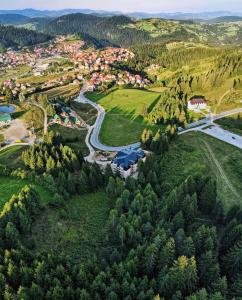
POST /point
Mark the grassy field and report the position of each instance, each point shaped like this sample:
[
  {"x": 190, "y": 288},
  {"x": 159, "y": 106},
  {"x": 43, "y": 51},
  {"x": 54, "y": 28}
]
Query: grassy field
[
  {"x": 12, "y": 156},
  {"x": 10, "y": 186},
  {"x": 77, "y": 228},
  {"x": 232, "y": 123},
  {"x": 74, "y": 138},
  {"x": 123, "y": 123},
  {"x": 199, "y": 154}
]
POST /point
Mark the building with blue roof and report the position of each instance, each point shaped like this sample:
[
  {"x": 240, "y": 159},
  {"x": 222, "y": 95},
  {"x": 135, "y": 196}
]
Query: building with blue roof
[{"x": 126, "y": 161}]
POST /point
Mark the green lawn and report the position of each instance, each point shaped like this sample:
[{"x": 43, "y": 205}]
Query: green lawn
[
  {"x": 189, "y": 155},
  {"x": 123, "y": 123},
  {"x": 12, "y": 156},
  {"x": 77, "y": 228},
  {"x": 10, "y": 186}
]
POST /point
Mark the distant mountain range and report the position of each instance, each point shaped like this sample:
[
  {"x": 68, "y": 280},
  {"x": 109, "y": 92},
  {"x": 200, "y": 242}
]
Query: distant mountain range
[{"x": 32, "y": 13}]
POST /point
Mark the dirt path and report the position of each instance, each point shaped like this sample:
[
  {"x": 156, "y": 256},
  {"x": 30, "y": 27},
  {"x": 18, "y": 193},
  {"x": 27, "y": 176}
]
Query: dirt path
[
  {"x": 221, "y": 170},
  {"x": 220, "y": 99}
]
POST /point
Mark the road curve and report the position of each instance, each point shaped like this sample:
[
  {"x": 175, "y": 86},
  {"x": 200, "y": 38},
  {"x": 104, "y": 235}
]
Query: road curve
[
  {"x": 95, "y": 129},
  {"x": 13, "y": 145}
]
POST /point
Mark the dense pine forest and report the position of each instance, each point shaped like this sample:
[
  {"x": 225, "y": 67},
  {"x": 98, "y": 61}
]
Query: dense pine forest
[
  {"x": 18, "y": 37},
  {"x": 160, "y": 243}
]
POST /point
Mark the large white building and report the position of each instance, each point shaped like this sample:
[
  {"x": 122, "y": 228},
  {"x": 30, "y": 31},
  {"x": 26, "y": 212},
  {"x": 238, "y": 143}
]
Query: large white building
[{"x": 126, "y": 162}]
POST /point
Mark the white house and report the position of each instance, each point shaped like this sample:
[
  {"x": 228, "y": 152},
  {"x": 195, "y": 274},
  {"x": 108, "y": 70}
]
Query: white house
[{"x": 197, "y": 103}]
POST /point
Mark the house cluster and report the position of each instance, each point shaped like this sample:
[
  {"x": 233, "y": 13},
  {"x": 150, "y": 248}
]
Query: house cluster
[
  {"x": 67, "y": 118},
  {"x": 197, "y": 103},
  {"x": 101, "y": 60},
  {"x": 126, "y": 162},
  {"x": 11, "y": 59},
  {"x": 16, "y": 88},
  {"x": 123, "y": 78},
  {"x": 58, "y": 47},
  {"x": 27, "y": 88}
]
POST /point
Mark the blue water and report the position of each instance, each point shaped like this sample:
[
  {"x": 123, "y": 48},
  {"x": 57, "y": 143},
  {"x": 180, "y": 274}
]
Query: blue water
[{"x": 7, "y": 109}]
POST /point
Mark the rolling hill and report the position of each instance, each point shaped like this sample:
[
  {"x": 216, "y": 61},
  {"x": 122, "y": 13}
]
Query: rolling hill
[
  {"x": 18, "y": 37},
  {"x": 13, "y": 19},
  {"x": 124, "y": 31}
]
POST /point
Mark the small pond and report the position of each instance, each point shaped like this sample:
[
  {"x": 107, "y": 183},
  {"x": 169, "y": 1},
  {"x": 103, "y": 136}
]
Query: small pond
[{"x": 7, "y": 109}]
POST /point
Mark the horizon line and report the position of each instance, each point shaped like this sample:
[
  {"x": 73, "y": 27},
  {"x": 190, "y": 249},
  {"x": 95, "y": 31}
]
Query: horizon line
[{"x": 119, "y": 11}]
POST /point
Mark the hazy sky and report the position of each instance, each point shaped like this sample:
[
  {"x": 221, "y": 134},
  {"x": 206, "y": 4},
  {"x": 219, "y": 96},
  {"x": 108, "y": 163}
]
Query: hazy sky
[{"x": 128, "y": 5}]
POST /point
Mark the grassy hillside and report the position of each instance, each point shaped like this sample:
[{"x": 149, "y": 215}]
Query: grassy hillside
[
  {"x": 197, "y": 69},
  {"x": 10, "y": 186},
  {"x": 199, "y": 154},
  {"x": 77, "y": 228},
  {"x": 11, "y": 157},
  {"x": 123, "y": 31},
  {"x": 214, "y": 33},
  {"x": 123, "y": 123}
]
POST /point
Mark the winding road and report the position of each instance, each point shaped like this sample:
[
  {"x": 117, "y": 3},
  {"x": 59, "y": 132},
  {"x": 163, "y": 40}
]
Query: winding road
[{"x": 93, "y": 131}]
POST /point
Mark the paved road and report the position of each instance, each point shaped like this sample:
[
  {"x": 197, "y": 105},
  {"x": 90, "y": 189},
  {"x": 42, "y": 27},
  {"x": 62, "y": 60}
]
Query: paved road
[
  {"x": 224, "y": 135},
  {"x": 15, "y": 144},
  {"x": 208, "y": 121},
  {"x": 95, "y": 129}
]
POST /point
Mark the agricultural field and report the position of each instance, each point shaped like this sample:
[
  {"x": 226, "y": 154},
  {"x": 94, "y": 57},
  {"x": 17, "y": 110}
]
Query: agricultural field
[
  {"x": 42, "y": 79},
  {"x": 63, "y": 92},
  {"x": 10, "y": 186},
  {"x": 232, "y": 123},
  {"x": 18, "y": 72},
  {"x": 11, "y": 157},
  {"x": 75, "y": 138},
  {"x": 77, "y": 228},
  {"x": 198, "y": 154},
  {"x": 123, "y": 123}
]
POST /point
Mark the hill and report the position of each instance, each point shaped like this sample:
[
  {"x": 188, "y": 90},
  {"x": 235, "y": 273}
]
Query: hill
[
  {"x": 13, "y": 19},
  {"x": 124, "y": 31},
  {"x": 18, "y": 37},
  {"x": 226, "y": 19},
  {"x": 33, "y": 13},
  {"x": 108, "y": 30}
]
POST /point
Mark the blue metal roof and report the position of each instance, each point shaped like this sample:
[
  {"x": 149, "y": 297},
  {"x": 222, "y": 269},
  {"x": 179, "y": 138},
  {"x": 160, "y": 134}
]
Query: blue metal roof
[{"x": 127, "y": 158}]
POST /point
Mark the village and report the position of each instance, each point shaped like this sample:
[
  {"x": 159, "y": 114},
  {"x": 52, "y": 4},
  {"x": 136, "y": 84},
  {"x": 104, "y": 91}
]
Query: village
[{"x": 62, "y": 63}]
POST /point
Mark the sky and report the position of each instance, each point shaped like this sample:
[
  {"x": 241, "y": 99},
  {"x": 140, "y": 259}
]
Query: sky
[{"x": 128, "y": 5}]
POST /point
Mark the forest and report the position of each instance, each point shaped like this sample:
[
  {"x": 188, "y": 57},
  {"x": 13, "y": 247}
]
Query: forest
[
  {"x": 176, "y": 243},
  {"x": 18, "y": 37}
]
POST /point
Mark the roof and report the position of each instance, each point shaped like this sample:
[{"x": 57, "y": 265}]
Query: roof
[
  {"x": 197, "y": 100},
  {"x": 126, "y": 158},
  {"x": 5, "y": 118}
]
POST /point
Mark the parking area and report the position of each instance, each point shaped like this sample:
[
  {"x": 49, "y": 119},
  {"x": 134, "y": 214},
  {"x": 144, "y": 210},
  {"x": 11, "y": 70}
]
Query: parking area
[{"x": 224, "y": 135}]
